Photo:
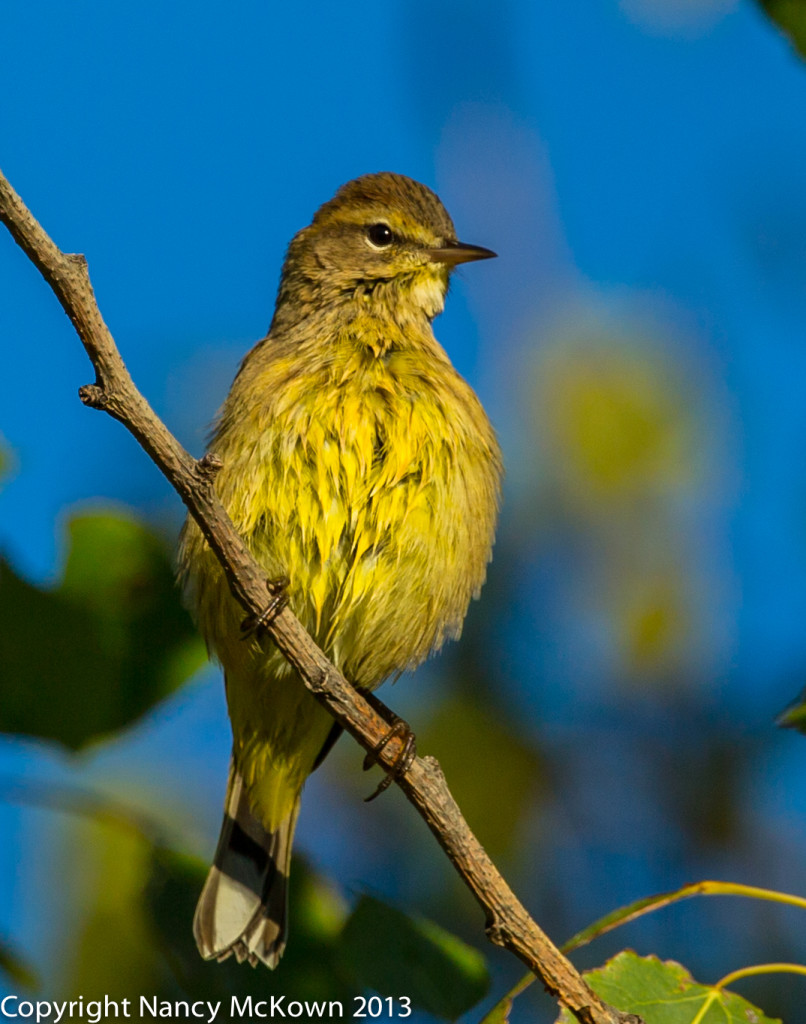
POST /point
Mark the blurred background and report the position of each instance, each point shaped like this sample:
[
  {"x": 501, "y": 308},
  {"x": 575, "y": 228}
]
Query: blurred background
[{"x": 607, "y": 722}]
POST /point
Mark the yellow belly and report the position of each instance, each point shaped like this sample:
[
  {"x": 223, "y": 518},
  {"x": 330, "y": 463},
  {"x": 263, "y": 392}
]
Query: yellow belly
[{"x": 370, "y": 483}]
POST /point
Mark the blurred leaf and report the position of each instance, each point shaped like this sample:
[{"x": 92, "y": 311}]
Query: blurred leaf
[
  {"x": 110, "y": 951},
  {"x": 652, "y": 621},
  {"x": 795, "y": 715},
  {"x": 16, "y": 969},
  {"x": 5, "y": 460},
  {"x": 98, "y": 650},
  {"x": 398, "y": 955},
  {"x": 483, "y": 760},
  {"x": 124, "y": 573},
  {"x": 615, "y": 420},
  {"x": 665, "y": 993},
  {"x": 791, "y": 17}
]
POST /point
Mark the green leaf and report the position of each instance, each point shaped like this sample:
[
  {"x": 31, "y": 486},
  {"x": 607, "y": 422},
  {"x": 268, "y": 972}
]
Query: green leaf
[
  {"x": 791, "y": 17},
  {"x": 397, "y": 955},
  {"x": 665, "y": 993},
  {"x": 97, "y": 651}
]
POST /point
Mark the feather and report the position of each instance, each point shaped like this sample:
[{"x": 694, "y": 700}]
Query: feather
[{"x": 243, "y": 906}]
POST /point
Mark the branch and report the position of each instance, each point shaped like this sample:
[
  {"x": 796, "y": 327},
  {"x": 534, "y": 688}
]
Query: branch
[{"x": 508, "y": 923}]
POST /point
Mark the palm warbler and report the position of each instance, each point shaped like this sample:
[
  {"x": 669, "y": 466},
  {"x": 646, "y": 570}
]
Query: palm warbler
[{"x": 359, "y": 466}]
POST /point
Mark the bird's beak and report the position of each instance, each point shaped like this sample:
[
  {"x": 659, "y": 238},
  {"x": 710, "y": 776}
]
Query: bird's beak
[{"x": 459, "y": 252}]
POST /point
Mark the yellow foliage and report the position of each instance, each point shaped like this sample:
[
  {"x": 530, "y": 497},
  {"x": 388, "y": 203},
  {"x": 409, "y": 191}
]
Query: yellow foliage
[{"x": 614, "y": 421}]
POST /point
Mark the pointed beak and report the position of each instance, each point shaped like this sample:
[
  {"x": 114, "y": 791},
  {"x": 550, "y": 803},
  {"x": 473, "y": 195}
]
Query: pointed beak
[{"x": 459, "y": 252}]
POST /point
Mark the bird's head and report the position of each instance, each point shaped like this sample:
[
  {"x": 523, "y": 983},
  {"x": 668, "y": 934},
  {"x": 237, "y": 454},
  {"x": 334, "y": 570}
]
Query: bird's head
[{"x": 384, "y": 239}]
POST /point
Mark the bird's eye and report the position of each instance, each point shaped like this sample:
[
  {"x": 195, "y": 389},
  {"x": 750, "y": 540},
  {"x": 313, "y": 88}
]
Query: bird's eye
[{"x": 380, "y": 235}]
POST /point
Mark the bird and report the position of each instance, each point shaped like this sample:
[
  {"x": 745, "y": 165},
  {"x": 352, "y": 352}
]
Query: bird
[{"x": 361, "y": 470}]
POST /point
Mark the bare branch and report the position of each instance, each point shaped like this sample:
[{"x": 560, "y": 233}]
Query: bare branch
[{"x": 508, "y": 923}]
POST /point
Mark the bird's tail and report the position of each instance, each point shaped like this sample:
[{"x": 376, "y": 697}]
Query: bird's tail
[{"x": 242, "y": 908}]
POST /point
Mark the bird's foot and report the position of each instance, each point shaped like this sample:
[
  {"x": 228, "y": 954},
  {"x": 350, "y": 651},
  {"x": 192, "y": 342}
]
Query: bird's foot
[
  {"x": 255, "y": 625},
  {"x": 398, "y": 729}
]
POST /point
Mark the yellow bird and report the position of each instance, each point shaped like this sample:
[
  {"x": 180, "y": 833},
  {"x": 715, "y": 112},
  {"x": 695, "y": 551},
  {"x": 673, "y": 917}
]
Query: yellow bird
[{"x": 361, "y": 467}]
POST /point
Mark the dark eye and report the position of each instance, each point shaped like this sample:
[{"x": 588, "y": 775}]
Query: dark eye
[{"x": 380, "y": 235}]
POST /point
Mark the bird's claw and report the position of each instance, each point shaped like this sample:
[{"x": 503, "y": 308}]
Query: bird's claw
[
  {"x": 278, "y": 598},
  {"x": 397, "y": 729}
]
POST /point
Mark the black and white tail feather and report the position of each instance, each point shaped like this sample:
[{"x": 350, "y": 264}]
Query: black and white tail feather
[{"x": 243, "y": 907}]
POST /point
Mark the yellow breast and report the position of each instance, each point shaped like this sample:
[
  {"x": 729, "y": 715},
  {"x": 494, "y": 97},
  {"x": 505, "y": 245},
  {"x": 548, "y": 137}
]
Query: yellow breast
[{"x": 371, "y": 481}]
